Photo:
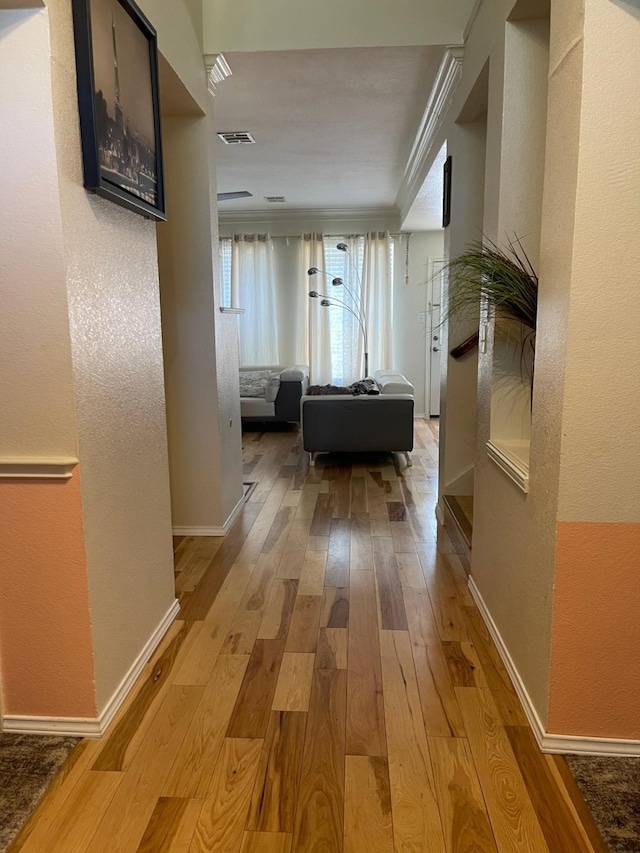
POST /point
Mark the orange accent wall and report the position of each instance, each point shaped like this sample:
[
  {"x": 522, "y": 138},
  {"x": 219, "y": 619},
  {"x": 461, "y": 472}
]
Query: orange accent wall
[
  {"x": 595, "y": 651},
  {"x": 46, "y": 653}
]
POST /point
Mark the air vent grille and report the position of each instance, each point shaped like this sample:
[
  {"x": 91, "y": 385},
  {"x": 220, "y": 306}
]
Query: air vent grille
[
  {"x": 275, "y": 199},
  {"x": 236, "y": 137}
]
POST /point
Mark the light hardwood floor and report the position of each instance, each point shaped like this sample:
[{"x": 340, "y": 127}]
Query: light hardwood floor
[{"x": 329, "y": 686}]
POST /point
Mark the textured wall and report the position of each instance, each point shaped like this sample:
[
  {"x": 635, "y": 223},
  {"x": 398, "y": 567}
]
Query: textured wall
[
  {"x": 596, "y": 646},
  {"x": 36, "y": 388},
  {"x": 514, "y": 533},
  {"x": 117, "y": 355},
  {"x": 186, "y": 268},
  {"x": 595, "y": 690},
  {"x": 46, "y": 646}
]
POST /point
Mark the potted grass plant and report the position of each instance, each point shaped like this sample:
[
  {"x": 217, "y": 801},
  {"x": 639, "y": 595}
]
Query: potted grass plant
[{"x": 505, "y": 279}]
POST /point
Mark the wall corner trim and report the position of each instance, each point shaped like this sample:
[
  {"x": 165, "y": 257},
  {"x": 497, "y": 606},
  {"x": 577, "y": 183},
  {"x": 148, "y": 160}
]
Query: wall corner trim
[
  {"x": 440, "y": 98},
  {"x": 37, "y": 468},
  {"x": 94, "y": 727},
  {"x": 548, "y": 742},
  {"x": 212, "y": 531}
]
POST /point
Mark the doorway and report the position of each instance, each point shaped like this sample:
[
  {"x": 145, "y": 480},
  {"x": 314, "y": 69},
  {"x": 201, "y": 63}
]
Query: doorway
[{"x": 433, "y": 366}]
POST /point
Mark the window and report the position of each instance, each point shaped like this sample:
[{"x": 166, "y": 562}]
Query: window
[{"x": 225, "y": 271}]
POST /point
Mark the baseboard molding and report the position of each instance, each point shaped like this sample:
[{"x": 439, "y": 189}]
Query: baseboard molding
[
  {"x": 213, "y": 531},
  {"x": 94, "y": 727},
  {"x": 548, "y": 742},
  {"x": 439, "y": 514}
]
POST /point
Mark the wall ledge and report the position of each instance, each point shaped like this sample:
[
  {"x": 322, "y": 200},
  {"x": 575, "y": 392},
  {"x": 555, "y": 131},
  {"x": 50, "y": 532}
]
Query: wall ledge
[
  {"x": 548, "y": 742},
  {"x": 94, "y": 727},
  {"x": 37, "y": 467},
  {"x": 510, "y": 457}
]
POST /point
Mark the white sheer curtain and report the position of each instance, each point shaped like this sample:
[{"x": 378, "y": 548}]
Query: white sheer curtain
[
  {"x": 331, "y": 338},
  {"x": 314, "y": 340},
  {"x": 253, "y": 288},
  {"x": 377, "y": 278}
]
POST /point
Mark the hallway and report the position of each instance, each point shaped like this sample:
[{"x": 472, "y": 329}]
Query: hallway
[{"x": 329, "y": 686}]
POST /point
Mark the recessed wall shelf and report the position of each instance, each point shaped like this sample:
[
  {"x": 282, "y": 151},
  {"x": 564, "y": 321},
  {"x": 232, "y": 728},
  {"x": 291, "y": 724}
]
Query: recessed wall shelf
[
  {"x": 513, "y": 458},
  {"x": 37, "y": 468},
  {"x": 225, "y": 310}
]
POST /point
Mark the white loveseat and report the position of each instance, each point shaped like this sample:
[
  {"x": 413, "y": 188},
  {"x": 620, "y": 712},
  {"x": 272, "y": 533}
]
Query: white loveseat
[{"x": 272, "y": 392}]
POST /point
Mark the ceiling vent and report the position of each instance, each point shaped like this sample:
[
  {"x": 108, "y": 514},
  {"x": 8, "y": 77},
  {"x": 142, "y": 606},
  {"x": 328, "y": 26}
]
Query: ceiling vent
[
  {"x": 275, "y": 199},
  {"x": 237, "y": 137}
]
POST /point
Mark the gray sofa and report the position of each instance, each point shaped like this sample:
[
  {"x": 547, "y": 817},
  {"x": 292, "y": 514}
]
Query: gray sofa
[
  {"x": 343, "y": 424},
  {"x": 272, "y": 392}
]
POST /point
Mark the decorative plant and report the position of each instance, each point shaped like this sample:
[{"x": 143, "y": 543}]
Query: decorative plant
[{"x": 505, "y": 278}]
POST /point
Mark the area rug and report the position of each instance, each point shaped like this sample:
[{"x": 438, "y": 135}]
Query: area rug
[
  {"x": 28, "y": 765},
  {"x": 611, "y": 789}
]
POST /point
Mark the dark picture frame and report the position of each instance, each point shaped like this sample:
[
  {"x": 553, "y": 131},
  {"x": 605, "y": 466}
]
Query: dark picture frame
[
  {"x": 119, "y": 105},
  {"x": 446, "y": 191}
]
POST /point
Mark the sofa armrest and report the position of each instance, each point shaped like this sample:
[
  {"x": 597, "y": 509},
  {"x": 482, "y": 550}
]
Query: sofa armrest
[
  {"x": 297, "y": 373},
  {"x": 392, "y": 382}
]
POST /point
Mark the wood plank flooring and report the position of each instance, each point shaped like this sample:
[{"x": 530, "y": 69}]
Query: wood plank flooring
[{"x": 329, "y": 686}]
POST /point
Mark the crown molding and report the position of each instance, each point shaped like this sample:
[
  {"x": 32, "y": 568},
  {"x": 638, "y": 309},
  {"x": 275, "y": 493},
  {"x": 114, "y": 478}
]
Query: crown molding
[
  {"x": 217, "y": 70},
  {"x": 440, "y": 98},
  {"x": 293, "y": 214}
]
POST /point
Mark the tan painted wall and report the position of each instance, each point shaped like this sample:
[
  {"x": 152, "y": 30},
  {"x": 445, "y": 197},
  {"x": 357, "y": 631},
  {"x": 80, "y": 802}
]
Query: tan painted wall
[
  {"x": 202, "y": 494},
  {"x": 467, "y": 145},
  {"x": 514, "y": 533},
  {"x": 36, "y": 387},
  {"x": 46, "y": 659},
  {"x": 112, "y": 280},
  {"x": 249, "y": 25}
]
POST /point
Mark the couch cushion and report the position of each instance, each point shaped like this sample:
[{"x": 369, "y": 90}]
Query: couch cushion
[{"x": 259, "y": 383}]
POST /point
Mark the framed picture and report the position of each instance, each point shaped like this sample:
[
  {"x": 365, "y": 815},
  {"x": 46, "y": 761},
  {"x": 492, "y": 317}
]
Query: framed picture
[
  {"x": 117, "y": 68},
  {"x": 446, "y": 192}
]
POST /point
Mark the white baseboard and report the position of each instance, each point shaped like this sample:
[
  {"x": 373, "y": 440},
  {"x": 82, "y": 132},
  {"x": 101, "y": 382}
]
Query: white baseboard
[
  {"x": 548, "y": 742},
  {"x": 94, "y": 727},
  {"x": 213, "y": 531},
  {"x": 419, "y": 416},
  {"x": 439, "y": 514}
]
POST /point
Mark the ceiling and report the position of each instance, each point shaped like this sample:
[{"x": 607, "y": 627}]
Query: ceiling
[{"x": 334, "y": 128}]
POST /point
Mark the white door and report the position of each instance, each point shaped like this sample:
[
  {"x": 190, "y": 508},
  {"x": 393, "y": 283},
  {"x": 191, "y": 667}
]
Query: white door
[{"x": 434, "y": 337}]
